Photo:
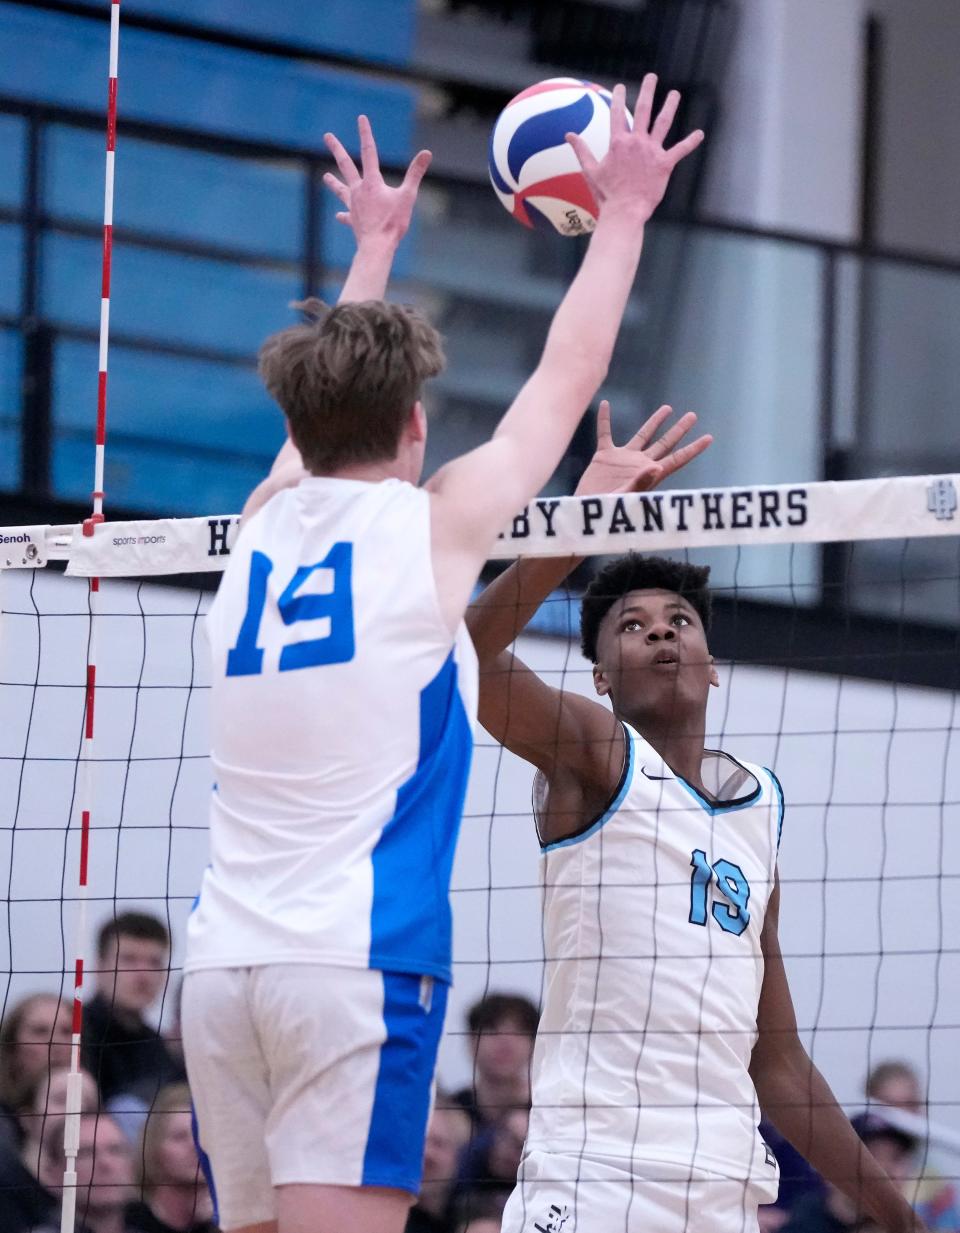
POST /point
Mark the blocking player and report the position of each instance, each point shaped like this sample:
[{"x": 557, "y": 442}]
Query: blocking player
[
  {"x": 667, "y": 1018},
  {"x": 343, "y": 688}
]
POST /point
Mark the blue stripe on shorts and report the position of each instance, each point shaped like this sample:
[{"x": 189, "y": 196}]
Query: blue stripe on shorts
[
  {"x": 401, "y": 1102},
  {"x": 205, "y": 1168}
]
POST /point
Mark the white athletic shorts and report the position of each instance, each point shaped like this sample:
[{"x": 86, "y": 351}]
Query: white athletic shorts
[
  {"x": 302, "y": 1073},
  {"x": 569, "y": 1194}
]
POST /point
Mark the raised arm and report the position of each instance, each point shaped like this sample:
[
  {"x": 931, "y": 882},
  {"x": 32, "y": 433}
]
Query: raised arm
[
  {"x": 379, "y": 217},
  {"x": 551, "y": 727},
  {"x": 476, "y": 494},
  {"x": 797, "y": 1099}
]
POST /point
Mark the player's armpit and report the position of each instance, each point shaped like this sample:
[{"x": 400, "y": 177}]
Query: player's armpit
[{"x": 548, "y": 727}]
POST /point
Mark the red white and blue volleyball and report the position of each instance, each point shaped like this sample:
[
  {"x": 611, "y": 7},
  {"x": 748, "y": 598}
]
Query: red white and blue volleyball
[{"x": 533, "y": 169}]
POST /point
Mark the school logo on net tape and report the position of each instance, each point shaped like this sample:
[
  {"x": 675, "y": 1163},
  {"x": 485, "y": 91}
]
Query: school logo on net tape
[{"x": 942, "y": 499}]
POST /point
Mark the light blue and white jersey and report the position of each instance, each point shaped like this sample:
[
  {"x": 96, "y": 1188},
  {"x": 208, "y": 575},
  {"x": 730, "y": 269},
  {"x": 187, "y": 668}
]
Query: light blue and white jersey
[
  {"x": 342, "y": 711},
  {"x": 652, "y": 923}
]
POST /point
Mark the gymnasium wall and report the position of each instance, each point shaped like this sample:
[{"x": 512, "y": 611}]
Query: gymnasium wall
[
  {"x": 787, "y": 149},
  {"x": 210, "y": 247},
  {"x": 919, "y": 189},
  {"x": 870, "y": 860}
]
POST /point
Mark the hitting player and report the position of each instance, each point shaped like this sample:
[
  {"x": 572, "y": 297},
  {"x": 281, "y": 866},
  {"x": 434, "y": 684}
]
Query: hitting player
[{"x": 343, "y": 690}]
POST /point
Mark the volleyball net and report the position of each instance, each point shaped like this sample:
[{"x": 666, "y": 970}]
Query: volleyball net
[{"x": 845, "y": 684}]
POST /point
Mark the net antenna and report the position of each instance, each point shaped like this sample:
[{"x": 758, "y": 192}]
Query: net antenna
[{"x": 71, "y": 1138}]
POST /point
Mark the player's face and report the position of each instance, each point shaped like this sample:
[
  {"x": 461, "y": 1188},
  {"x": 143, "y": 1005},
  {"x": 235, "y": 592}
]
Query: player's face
[{"x": 653, "y": 658}]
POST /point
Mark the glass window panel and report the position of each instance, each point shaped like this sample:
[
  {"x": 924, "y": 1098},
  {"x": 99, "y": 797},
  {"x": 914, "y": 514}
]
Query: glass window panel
[
  {"x": 466, "y": 243},
  {"x": 167, "y": 296},
  {"x": 12, "y": 160},
  {"x": 187, "y": 194},
  {"x": 11, "y": 370},
  {"x": 337, "y": 244},
  {"x": 217, "y": 407},
  {"x": 183, "y": 435},
  {"x": 911, "y": 317},
  {"x": 11, "y": 264},
  {"x": 375, "y": 29},
  {"x": 176, "y": 81},
  {"x": 910, "y": 354},
  {"x": 732, "y": 328},
  {"x": 190, "y": 485}
]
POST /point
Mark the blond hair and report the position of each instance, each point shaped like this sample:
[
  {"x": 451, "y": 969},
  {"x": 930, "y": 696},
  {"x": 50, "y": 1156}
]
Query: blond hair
[
  {"x": 174, "y": 1098},
  {"x": 348, "y": 378}
]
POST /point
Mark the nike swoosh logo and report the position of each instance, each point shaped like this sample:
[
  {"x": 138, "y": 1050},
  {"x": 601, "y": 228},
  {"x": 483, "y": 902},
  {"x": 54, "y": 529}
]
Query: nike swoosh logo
[{"x": 644, "y": 771}]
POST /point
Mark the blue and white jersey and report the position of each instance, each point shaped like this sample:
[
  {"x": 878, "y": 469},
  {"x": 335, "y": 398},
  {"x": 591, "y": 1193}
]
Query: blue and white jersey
[
  {"x": 652, "y": 923},
  {"x": 342, "y": 714}
]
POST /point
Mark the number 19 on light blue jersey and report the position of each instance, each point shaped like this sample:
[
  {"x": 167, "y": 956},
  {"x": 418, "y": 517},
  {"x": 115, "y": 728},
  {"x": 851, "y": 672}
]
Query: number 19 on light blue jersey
[
  {"x": 733, "y": 915},
  {"x": 245, "y": 658}
]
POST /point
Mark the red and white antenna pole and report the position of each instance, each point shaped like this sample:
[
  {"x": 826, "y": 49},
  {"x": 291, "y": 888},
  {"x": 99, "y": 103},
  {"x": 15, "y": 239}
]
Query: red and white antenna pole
[
  {"x": 101, "y": 437},
  {"x": 85, "y": 795}
]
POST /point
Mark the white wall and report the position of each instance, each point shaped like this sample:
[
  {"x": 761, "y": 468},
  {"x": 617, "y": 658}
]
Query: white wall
[
  {"x": 786, "y": 153},
  {"x": 870, "y": 859}
]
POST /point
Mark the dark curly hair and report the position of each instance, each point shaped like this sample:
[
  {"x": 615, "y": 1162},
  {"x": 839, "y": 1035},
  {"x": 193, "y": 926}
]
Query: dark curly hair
[{"x": 634, "y": 572}]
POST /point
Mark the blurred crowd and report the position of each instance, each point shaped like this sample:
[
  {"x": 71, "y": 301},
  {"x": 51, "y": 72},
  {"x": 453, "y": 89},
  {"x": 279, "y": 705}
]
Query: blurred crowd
[
  {"x": 138, "y": 1169},
  {"x": 137, "y": 1166}
]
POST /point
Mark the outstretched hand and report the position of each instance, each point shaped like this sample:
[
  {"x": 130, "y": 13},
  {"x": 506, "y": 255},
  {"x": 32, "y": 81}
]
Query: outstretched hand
[
  {"x": 372, "y": 207},
  {"x": 646, "y": 459},
  {"x": 636, "y": 169}
]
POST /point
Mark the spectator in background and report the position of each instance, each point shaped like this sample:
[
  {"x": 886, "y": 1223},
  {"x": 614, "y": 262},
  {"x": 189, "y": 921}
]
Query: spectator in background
[
  {"x": 173, "y": 1034},
  {"x": 448, "y": 1133},
  {"x": 35, "y": 1039},
  {"x": 488, "y": 1169},
  {"x": 829, "y": 1211},
  {"x": 127, "y": 1056},
  {"x": 104, "y": 1176},
  {"x": 30, "y": 1180},
  {"x": 797, "y": 1180},
  {"x": 173, "y": 1193},
  {"x": 896, "y": 1084},
  {"x": 502, "y": 1028},
  {"x": 482, "y": 1217},
  {"x": 45, "y": 1105}
]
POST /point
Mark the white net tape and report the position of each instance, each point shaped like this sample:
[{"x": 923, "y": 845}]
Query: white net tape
[{"x": 901, "y": 507}]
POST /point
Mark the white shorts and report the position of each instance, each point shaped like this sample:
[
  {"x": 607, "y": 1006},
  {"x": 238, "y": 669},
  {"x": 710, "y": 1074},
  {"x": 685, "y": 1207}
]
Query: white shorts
[
  {"x": 568, "y": 1194},
  {"x": 308, "y": 1074}
]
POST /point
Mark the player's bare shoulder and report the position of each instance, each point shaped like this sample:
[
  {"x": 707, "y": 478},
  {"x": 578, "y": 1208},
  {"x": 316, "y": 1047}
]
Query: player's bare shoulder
[{"x": 567, "y": 801}]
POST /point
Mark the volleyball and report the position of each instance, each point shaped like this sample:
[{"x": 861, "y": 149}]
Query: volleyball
[{"x": 533, "y": 169}]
